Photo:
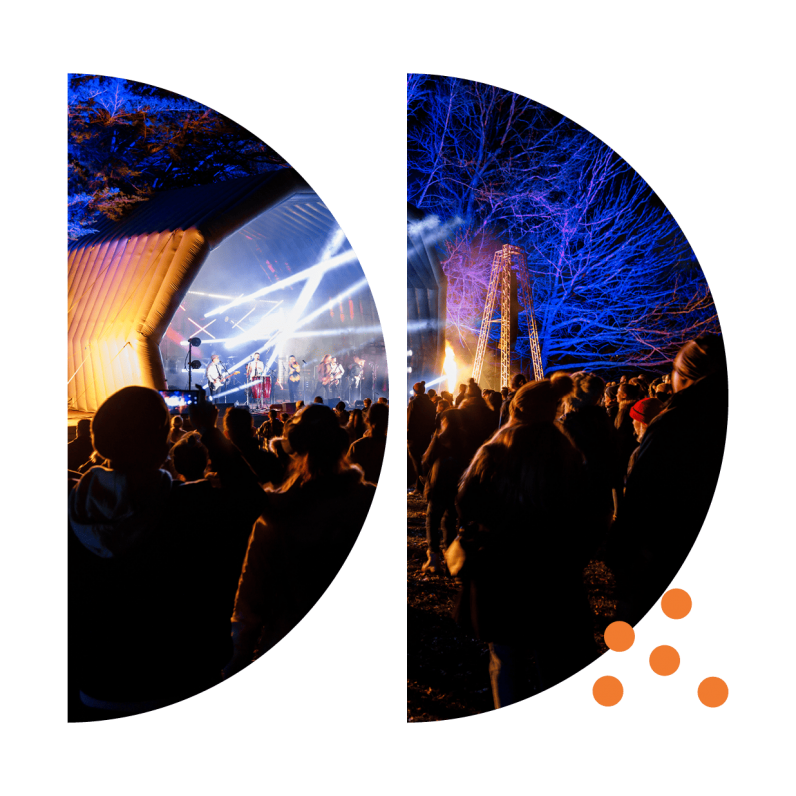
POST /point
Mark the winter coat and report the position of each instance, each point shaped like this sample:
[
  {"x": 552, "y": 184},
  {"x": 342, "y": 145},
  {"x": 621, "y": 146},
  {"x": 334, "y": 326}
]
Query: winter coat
[
  {"x": 420, "y": 421},
  {"x": 443, "y": 465},
  {"x": 595, "y": 437},
  {"x": 368, "y": 453},
  {"x": 669, "y": 491},
  {"x": 479, "y": 421},
  {"x": 296, "y": 549},
  {"x": 525, "y": 551}
]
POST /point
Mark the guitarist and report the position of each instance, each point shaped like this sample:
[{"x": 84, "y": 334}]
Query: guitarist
[
  {"x": 216, "y": 374},
  {"x": 335, "y": 377},
  {"x": 324, "y": 376},
  {"x": 355, "y": 374}
]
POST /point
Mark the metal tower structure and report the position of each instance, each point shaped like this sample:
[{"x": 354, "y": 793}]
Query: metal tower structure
[{"x": 507, "y": 258}]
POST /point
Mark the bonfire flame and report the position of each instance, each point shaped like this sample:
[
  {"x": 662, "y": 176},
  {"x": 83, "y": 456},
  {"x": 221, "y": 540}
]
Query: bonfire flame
[{"x": 449, "y": 368}]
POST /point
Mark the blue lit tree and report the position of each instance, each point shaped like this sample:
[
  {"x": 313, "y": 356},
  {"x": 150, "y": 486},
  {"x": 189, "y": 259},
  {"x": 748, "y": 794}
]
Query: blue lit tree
[
  {"x": 616, "y": 285},
  {"x": 128, "y": 139}
]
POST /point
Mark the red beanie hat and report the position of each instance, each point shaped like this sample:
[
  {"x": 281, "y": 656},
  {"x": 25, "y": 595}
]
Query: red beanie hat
[{"x": 644, "y": 411}]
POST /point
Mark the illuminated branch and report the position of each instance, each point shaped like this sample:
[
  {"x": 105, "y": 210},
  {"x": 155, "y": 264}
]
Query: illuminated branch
[{"x": 615, "y": 283}]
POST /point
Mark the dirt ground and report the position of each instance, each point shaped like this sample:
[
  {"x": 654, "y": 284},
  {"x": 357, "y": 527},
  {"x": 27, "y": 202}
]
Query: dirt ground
[{"x": 447, "y": 670}]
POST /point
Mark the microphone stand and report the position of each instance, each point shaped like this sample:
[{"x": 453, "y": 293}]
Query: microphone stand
[{"x": 190, "y": 369}]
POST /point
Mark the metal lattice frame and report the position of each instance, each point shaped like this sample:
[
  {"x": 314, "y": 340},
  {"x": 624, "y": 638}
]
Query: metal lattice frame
[
  {"x": 486, "y": 320},
  {"x": 505, "y": 259}
]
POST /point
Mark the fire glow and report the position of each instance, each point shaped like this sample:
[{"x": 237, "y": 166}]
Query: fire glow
[{"x": 449, "y": 368}]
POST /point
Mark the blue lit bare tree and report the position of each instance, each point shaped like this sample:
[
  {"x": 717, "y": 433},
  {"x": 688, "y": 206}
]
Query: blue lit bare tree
[
  {"x": 128, "y": 140},
  {"x": 616, "y": 285}
]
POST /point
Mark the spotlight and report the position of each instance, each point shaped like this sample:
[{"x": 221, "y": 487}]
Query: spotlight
[
  {"x": 344, "y": 258},
  {"x": 194, "y": 341},
  {"x": 196, "y": 364}
]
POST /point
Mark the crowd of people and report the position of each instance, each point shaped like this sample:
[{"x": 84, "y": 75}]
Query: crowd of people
[
  {"x": 192, "y": 549},
  {"x": 525, "y": 486}
]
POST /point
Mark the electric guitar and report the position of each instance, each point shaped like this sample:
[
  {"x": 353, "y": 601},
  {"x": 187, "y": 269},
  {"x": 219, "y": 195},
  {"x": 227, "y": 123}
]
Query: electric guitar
[
  {"x": 355, "y": 376},
  {"x": 219, "y": 381},
  {"x": 334, "y": 378}
]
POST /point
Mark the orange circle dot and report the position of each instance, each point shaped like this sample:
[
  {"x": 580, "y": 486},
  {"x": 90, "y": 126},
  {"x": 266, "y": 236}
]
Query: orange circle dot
[
  {"x": 676, "y": 603},
  {"x": 619, "y": 636},
  {"x": 713, "y": 692},
  {"x": 664, "y": 660},
  {"x": 607, "y": 691}
]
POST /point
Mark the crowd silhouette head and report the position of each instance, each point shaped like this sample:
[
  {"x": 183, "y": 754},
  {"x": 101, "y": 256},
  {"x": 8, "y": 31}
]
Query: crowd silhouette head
[{"x": 131, "y": 429}]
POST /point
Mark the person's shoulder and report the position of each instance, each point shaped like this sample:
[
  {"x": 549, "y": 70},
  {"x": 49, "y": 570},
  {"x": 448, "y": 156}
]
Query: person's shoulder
[{"x": 357, "y": 446}]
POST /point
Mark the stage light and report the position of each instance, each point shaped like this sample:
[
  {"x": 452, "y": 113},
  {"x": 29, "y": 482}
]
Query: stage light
[
  {"x": 333, "y": 244},
  {"x": 423, "y": 326},
  {"x": 196, "y": 364},
  {"x": 265, "y": 328},
  {"x": 215, "y": 340},
  {"x": 409, "y": 353},
  {"x": 202, "y": 328},
  {"x": 194, "y": 341},
  {"x": 278, "y": 339},
  {"x": 436, "y": 382},
  {"x": 416, "y": 228},
  {"x": 237, "y": 323},
  {"x": 306, "y": 294},
  {"x": 355, "y": 288},
  {"x": 334, "y": 332},
  {"x": 333, "y": 262}
]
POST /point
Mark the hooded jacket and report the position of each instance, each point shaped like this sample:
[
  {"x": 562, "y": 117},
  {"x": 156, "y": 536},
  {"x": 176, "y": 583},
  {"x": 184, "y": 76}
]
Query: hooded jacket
[{"x": 149, "y": 563}]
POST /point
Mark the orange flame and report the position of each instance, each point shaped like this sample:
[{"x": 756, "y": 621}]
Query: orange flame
[{"x": 449, "y": 368}]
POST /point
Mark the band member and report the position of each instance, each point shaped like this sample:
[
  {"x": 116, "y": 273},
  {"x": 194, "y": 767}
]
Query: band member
[
  {"x": 337, "y": 373},
  {"x": 293, "y": 378},
  {"x": 254, "y": 376},
  {"x": 355, "y": 374},
  {"x": 216, "y": 373},
  {"x": 324, "y": 376}
]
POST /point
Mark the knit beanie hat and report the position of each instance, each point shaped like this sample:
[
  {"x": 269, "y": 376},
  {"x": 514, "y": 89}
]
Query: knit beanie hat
[
  {"x": 644, "y": 411},
  {"x": 420, "y": 387},
  {"x": 537, "y": 401},
  {"x": 701, "y": 357}
]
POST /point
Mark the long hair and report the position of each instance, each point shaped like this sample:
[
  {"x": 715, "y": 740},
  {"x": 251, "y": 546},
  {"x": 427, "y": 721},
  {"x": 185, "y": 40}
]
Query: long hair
[
  {"x": 317, "y": 444},
  {"x": 526, "y": 471},
  {"x": 587, "y": 390}
]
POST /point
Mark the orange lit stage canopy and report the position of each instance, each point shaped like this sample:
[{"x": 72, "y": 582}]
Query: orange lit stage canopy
[{"x": 127, "y": 280}]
